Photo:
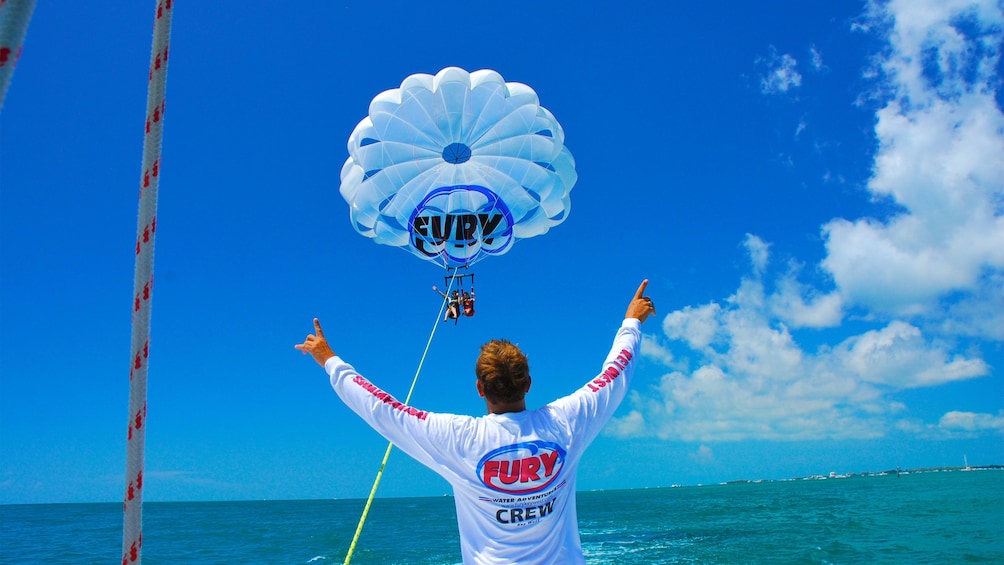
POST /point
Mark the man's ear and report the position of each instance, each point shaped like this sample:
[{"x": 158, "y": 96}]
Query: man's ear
[
  {"x": 529, "y": 381},
  {"x": 481, "y": 391}
]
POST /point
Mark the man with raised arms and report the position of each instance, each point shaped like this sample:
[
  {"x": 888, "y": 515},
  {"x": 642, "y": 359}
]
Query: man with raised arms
[{"x": 513, "y": 470}]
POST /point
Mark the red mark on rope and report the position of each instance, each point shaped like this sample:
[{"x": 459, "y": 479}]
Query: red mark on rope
[
  {"x": 139, "y": 420},
  {"x": 156, "y": 168},
  {"x": 140, "y": 297},
  {"x": 139, "y": 480},
  {"x": 4, "y": 55},
  {"x": 133, "y": 555},
  {"x": 140, "y": 355},
  {"x": 131, "y": 493},
  {"x": 157, "y": 62},
  {"x": 148, "y": 233},
  {"x": 146, "y": 179},
  {"x": 157, "y": 112}
]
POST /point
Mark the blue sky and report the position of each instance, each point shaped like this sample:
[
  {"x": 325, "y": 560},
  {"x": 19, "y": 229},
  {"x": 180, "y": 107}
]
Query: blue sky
[{"x": 814, "y": 191}]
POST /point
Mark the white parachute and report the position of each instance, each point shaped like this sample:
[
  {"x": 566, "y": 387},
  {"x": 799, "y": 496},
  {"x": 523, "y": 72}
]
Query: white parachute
[{"x": 456, "y": 167}]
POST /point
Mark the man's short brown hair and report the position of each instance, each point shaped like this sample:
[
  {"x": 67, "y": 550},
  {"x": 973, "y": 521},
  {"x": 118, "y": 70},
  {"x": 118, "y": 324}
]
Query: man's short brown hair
[{"x": 503, "y": 371}]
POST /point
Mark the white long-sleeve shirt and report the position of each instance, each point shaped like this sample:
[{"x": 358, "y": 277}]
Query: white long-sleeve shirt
[{"x": 513, "y": 474}]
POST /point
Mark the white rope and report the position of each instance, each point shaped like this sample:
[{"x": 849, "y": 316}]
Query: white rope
[
  {"x": 132, "y": 528},
  {"x": 14, "y": 18}
]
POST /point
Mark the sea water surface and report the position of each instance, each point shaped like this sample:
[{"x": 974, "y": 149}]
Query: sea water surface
[{"x": 937, "y": 517}]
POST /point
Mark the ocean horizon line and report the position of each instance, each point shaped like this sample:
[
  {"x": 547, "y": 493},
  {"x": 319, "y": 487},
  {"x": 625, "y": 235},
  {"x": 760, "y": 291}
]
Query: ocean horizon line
[{"x": 832, "y": 475}]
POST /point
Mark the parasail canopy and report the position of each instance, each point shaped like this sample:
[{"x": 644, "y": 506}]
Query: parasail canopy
[{"x": 456, "y": 167}]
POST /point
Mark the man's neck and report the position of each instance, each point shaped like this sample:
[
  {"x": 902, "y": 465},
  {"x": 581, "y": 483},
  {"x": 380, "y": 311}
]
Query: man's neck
[{"x": 506, "y": 407}]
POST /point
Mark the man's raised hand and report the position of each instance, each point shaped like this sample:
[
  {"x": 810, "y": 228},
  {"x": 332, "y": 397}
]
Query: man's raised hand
[
  {"x": 641, "y": 306},
  {"x": 316, "y": 345}
]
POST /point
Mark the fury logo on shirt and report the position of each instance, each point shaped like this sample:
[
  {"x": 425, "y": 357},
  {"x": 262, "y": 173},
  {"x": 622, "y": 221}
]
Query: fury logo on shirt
[{"x": 522, "y": 468}]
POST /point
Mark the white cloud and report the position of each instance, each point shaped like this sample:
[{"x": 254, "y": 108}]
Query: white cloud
[
  {"x": 627, "y": 426},
  {"x": 753, "y": 380},
  {"x": 816, "y": 59},
  {"x": 780, "y": 74},
  {"x": 956, "y": 425},
  {"x": 829, "y": 177},
  {"x": 898, "y": 357},
  {"x": 759, "y": 252},
  {"x": 935, "y": 265},
  {"x": 697, "y": 326},
  {"x": 802, "y": 124},
  {"x": 979, "y": 314},
  {"x": 970, "y": 422},
  {"x": 652, "y": 349},
  {"x": 940, "y": 159},
  {"x": 801, "y": 306},
  {"x": 704, "y": 455}
]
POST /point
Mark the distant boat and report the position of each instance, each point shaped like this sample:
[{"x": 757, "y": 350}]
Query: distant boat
[{"x": 966, "y": 460}]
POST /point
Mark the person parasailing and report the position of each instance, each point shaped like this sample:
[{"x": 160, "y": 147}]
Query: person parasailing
[
  {"x": 453, "y": 307},
  {"x": 467, "y": 300}
]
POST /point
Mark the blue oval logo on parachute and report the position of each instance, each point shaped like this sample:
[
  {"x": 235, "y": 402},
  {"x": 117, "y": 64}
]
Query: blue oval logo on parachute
[
  {"x": 456, "y": 167},
  {"x": 481, "y": 224}
]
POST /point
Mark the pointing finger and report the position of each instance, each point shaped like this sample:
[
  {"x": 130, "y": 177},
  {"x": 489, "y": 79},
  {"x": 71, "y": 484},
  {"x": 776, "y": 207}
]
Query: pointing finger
[
  {"x": 317, "y": 328},
  {"x": 641, "y": 289}
]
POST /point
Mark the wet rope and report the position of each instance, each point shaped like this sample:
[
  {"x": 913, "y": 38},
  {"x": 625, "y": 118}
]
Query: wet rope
[
  {"x": 14, "y": 18},
  {"x": 390, "y": 446},
  {"x": 132, "y": 526}
]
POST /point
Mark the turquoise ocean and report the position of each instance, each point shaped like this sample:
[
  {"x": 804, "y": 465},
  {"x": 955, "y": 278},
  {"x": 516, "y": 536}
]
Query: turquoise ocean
[{"x": 933, "y": 517}]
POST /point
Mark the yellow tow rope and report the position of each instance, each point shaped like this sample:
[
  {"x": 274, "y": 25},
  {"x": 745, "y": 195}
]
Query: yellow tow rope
[{"x": 386, "y": 455}]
